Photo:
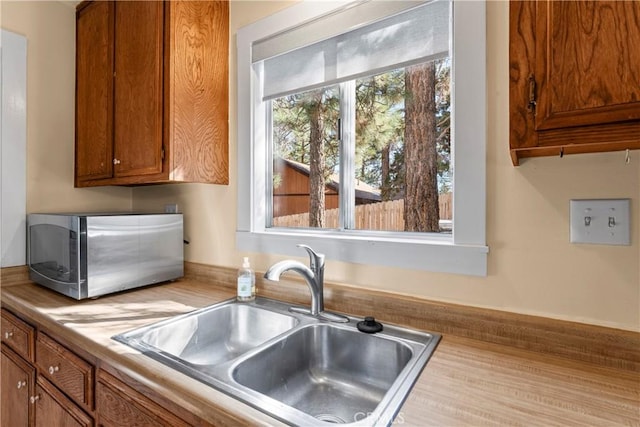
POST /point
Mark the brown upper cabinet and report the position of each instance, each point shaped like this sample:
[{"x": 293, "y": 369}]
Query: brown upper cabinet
[
  {"x": 574, "y": 83},
  {"x": 152, "y": 92}
]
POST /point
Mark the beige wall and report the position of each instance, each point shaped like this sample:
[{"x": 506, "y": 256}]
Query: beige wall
[
  {"x": 50, "y": 31},
  {"x": 532, "y": 266}
]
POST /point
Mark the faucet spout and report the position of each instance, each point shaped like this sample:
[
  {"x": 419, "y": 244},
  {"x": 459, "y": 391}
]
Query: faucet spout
[
  {"x": 313, "y": 275},
  {"x": 276, "y": 270}
]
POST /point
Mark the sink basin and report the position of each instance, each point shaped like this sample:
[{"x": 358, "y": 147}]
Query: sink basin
[
  {"x": 300, "y": 369},
  {"x": 214, "y": 335},
  {"x": 333, "y": 374}
]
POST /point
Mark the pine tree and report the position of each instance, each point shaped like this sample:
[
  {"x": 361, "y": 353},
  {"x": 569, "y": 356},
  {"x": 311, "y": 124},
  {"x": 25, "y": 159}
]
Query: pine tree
[{"x": 421, "y": 207}]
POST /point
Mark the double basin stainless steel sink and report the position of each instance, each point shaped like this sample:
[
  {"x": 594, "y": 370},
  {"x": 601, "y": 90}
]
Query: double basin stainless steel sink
[{"x": 300, "y": 369}]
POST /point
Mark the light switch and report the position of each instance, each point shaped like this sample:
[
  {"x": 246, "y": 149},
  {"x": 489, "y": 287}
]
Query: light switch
[{"x": 604, "y": 222}]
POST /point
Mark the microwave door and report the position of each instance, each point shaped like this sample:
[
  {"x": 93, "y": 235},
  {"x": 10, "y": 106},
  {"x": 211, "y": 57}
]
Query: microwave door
[{"x": 54, "y": 255}]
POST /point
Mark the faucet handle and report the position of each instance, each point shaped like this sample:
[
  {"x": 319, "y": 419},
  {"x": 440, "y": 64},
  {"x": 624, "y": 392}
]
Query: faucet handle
[{"x": 316, "y": 260}]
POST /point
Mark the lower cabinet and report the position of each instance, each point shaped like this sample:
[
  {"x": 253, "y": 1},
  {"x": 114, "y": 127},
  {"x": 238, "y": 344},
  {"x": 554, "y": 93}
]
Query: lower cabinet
[
  {"x": 55, "y": 387},
  {"x": 18, "y": 382},
  {"x": 120, "y": 405},
  {"x": 30, "y": 400},
  {"x": 52, "y": 408}
]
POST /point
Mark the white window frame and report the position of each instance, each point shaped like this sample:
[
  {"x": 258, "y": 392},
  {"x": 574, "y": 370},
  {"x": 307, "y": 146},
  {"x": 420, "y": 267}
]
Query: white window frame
[{"x": 463, "y": 252}]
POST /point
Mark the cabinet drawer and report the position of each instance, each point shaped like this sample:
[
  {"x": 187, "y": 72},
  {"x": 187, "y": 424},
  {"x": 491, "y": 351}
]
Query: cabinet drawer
[
  {"x": 63, "y": 368},
  {"x": 18, "y": 335}
]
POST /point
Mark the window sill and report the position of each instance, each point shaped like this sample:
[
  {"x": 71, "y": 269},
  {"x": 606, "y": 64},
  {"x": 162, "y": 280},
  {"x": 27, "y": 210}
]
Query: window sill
[{"x": 440, "y": 255}]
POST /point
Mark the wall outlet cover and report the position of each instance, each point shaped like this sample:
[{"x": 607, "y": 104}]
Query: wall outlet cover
[{"x": 171, "y": 208}]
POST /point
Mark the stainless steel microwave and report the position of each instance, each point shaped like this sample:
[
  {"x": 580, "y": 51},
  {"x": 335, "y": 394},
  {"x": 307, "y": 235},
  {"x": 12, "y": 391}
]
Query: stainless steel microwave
[{"x": 88, "y": 255}]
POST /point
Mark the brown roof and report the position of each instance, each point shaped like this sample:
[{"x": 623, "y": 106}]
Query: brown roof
[{"x": 363, "y": 190}]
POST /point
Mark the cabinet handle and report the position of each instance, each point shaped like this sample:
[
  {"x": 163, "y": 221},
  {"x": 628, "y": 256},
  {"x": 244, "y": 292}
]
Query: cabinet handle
[
  {"x": 53, "y": 369},
  {"x": 531, "y": 106},
  {"x": 21, "y": 384},
  {"x": 34, "y": 399},
  {"x": 8, "y": 335},
  {"x": 116, "y": 161}
]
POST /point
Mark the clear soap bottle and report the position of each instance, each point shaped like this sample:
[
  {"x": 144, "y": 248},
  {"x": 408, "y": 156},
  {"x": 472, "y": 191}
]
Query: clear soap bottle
[{"x": 246, "y": 282}]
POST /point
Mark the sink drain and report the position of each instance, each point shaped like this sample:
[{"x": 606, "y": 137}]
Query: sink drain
[{"x": 330, "y": 418}]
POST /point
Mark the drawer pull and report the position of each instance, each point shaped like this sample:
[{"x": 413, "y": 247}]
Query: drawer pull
[
  {"x": 8, "y": 335},
  {"x": 21, "y": 384},
  {"x": 53, "y": 369},
  {"x": 34, "y": 399}
]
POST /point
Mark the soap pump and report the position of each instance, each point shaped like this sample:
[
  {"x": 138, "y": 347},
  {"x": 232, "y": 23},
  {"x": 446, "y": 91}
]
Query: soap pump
[{"x": 246, "y": 282}]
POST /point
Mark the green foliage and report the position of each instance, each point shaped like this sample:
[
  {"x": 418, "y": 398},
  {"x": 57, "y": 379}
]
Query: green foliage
[
  {"x": 277, "y": 180},
  {"x": 291, "y": 126},
  {"x": 380, "y": 124},
  {"x": 379, "y": 129},
  {"x": 443, "y": 118}
]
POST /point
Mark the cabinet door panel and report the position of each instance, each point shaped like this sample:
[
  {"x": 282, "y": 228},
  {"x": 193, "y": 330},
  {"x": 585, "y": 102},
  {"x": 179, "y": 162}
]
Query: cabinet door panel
[
  {"x": 52, "y": 408},
  {"x": 17, "y": 381},
  {"x": 587, "y": 63},
  {"x": 198, "y": 88},
  {"x": 138, "y": 88},
  {"x": 94, "y": 92}
]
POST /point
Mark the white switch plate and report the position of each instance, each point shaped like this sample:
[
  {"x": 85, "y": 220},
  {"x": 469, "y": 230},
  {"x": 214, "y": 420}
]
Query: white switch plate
[{"x": 604, "y": 222}]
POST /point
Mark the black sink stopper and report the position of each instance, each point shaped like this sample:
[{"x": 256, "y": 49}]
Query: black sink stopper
[{"x": 369, "y": 325}]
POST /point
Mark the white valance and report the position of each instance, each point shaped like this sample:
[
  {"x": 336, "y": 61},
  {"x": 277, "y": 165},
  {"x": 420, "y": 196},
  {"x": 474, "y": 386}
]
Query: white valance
[{"x": 381, "y": 36}]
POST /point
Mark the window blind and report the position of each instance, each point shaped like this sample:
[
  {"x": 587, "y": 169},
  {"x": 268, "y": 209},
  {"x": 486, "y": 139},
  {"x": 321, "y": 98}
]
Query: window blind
[{"x": 417, "y": 33}]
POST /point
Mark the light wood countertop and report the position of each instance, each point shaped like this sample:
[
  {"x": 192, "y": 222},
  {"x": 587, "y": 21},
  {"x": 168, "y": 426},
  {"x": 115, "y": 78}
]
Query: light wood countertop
[{"x": 467, "y": 382}]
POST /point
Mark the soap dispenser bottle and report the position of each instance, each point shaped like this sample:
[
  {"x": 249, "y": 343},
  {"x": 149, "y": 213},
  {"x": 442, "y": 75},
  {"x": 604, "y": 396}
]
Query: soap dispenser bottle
[{"x": 246, "y": 282}]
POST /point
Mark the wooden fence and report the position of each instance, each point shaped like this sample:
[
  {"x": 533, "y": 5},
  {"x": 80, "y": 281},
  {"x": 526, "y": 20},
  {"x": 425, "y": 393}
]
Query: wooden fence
[{"x": 388, "y": 216}]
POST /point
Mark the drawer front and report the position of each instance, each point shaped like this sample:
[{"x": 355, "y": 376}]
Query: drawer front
[
  {"x": 18, "y": 335},
  {"x": 70, "y": 373}
]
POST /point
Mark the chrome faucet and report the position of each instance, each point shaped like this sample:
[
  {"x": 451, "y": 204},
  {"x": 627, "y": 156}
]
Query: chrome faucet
[{"x": 314, "y": 276}]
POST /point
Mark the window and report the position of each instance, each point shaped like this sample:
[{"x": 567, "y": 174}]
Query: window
[{"x": 331, "y": 120}]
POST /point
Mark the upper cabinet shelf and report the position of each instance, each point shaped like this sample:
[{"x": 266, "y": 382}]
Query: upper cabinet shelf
[
  {"x": 152, "y": 92},
  {"x": 574, "y": 84}
]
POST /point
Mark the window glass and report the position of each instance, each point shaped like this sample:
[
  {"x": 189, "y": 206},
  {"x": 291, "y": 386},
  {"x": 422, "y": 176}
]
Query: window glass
[
  {"x": 402, "y": 153},
  {"x": 403, "y": 149},
  {"x": 305, "y": 159}
]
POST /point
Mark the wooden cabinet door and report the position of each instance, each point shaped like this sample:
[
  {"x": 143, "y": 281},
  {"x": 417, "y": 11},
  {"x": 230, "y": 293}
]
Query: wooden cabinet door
[
  {"x": 152, "y": 92},
  {"x": 587, "y": 63},
  {"x": 17, "y": 381},
  {"x": 52, "y": 408},
  {"x": 198, "y": 95},
  {"x": 94, "y": 92},
  {"x": 574, "y": 77},
  {"x": 138, "y": 88}
]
